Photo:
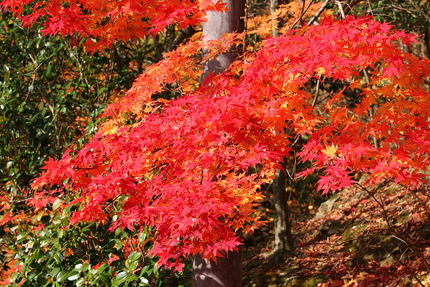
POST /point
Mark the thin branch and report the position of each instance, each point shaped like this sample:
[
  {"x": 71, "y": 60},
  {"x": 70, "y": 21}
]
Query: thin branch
[
  {"x": 348, "y": 6},
  {"x": 339, "y": 4},
  {"x": 322, "y": 8},
  {"x": 316, "y": 93},
  {"x": 304, "y": 10}
]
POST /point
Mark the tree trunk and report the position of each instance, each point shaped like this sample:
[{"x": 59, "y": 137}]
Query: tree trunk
[
  {"x": 273, "y": 7},
  {"x": 283, "y": 236},
  {"x": 226, "y": 272},
  {"x": 217, "y": 25}
]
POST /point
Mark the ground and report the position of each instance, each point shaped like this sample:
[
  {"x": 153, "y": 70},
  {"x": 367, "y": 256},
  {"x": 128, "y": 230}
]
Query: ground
[{"x": 357, "y": 237}]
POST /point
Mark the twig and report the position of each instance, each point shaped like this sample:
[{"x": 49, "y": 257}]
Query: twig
[
  {"x": 370, "y": 7},
  {"x": 317, "y": 88},
  {"x": 348, "y": 6},
  {"x": 339, "y": 4},
  {"x": 304, "y": 10},
  {"x": 315, "y": 17}
]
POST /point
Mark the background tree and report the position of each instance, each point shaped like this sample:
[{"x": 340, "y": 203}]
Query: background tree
[{"x": 227, "y": 269}]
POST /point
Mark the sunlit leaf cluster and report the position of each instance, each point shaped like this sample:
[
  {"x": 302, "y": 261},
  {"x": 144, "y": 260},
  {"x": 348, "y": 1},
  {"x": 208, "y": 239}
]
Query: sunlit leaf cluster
[{"x": 191, "y": 168}]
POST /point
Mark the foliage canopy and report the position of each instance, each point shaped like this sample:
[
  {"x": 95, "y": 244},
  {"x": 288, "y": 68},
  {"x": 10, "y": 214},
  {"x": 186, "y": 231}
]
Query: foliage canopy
[
  {"x": 103, "y": 22},
  {"x": 191, "y": 167}
]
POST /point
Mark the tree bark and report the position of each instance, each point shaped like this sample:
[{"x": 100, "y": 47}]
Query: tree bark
[
  {"x": 273, "y": 7},
  {"x": 283, "y": 237},
  {"x": 226, "y": 272},
  {"x": 217, "y": 25}
]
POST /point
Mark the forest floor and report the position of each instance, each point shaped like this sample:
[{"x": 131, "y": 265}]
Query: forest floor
[{"x": 356, "y": 237}]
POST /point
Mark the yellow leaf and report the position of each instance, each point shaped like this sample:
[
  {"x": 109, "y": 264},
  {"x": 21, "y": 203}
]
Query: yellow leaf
[
  {"x": 330, "y": 151},
  {"x": 320, "y": 71}
]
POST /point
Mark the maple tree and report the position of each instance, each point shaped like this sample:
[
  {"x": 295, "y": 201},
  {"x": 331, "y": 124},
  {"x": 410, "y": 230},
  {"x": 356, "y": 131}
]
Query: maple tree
[
  {"x": 213, "y": 148},
  {"x": 226, "y": 270},
  {"x": 192, "y": 167}
]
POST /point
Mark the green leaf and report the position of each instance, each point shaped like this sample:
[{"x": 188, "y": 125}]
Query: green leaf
[
  {"x": 105, "y": 279},
  {"x": 48, "y": 70},
  {"x": 134, "y": 256},
  {"x": 80, "y": 282},
  {"x": 58, "y": 257},
  {"x": 101, "y": 90},
  {"x": 143, "y": 281},
  {"x": 82, "y": 267},
  {"x": 131, "y": 266},
  {"x": 79, "y": 267},
  {"x": 74, "y": 275},
  {"x": 62, "y": 275},
  {"x": 57, "y": 203},
  {"x": 45, "y": 219},
  {"x": 120, "y": 278},
  {"x": 41, "y": 281},
  {"x": 55, "y": 272},
  {"x": 131, "y": 278}
]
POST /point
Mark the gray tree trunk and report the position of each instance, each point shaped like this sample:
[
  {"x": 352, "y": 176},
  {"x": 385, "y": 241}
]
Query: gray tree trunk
[
  {"x": 219, "y": 24},
  {"x": 273, "y": 7},
  {"x": 226, "y": 272},
  {"x": 283, "y": 236}
]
